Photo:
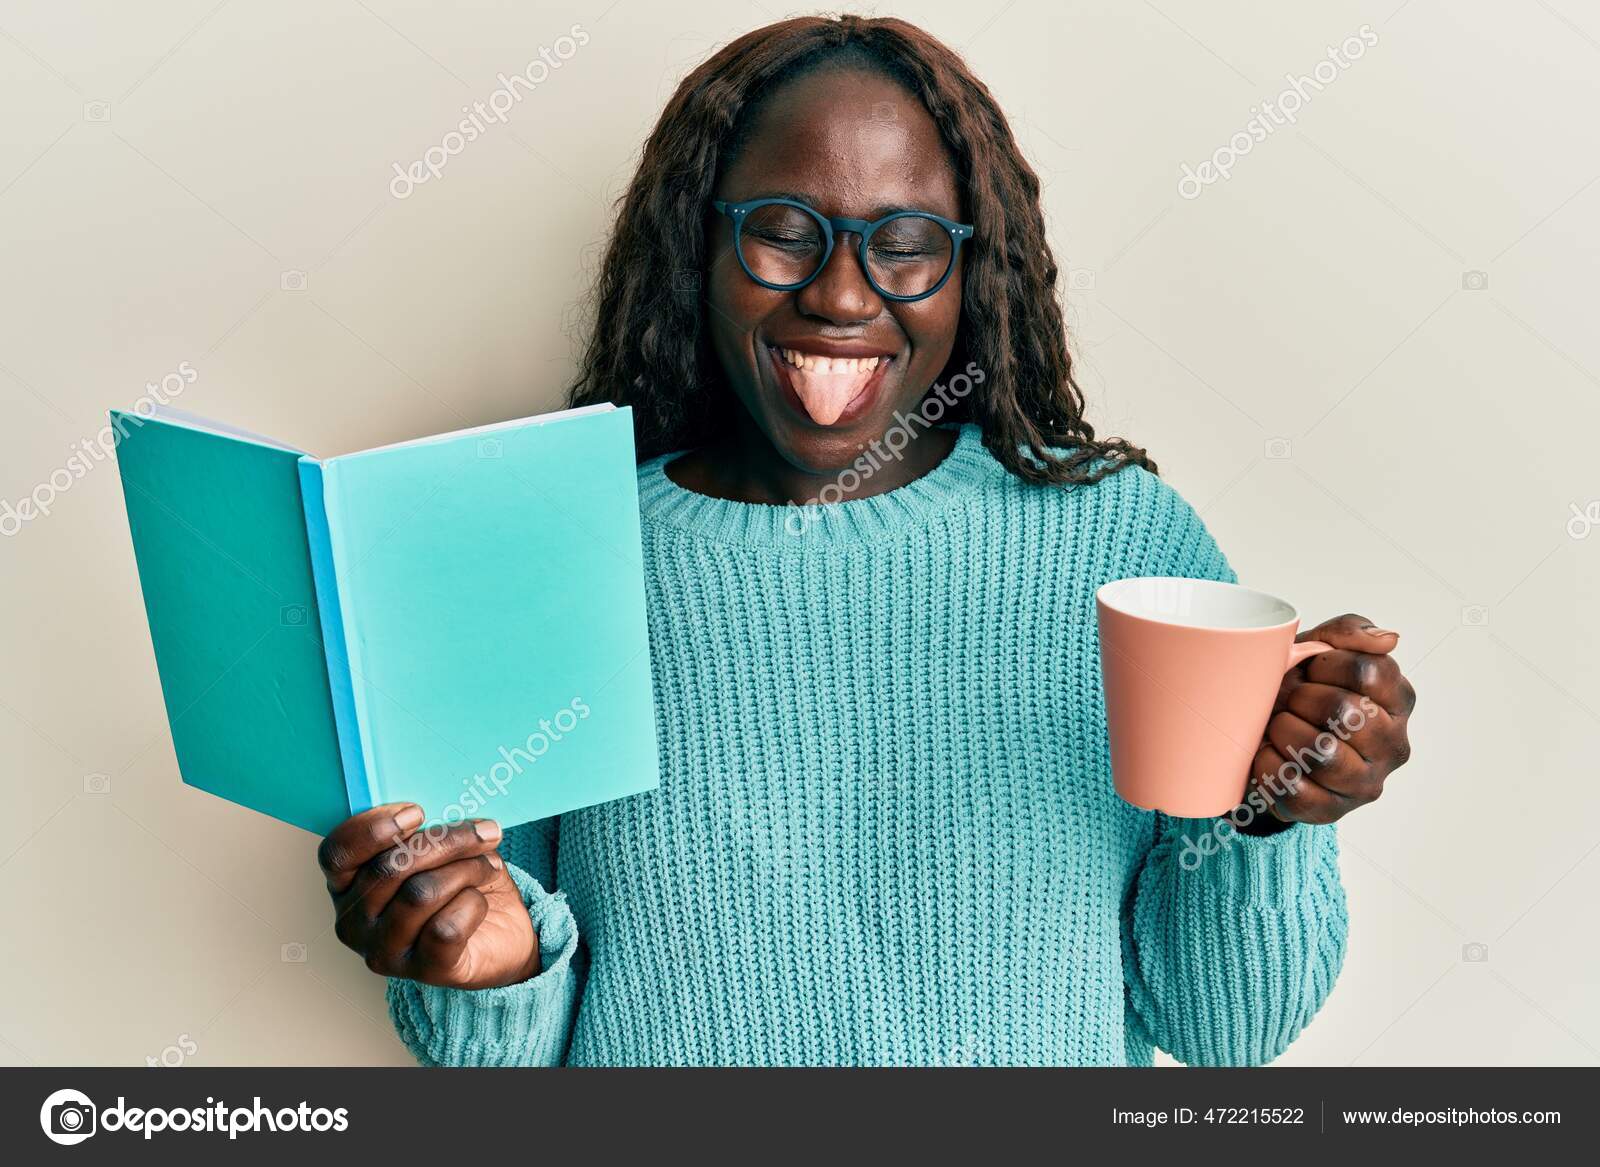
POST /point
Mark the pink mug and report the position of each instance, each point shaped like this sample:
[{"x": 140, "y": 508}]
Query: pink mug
[{"x": 1191, "y": 668}]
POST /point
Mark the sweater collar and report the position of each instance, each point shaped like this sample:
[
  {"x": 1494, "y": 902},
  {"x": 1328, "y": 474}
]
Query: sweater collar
[{"x": 663, "y": 502}]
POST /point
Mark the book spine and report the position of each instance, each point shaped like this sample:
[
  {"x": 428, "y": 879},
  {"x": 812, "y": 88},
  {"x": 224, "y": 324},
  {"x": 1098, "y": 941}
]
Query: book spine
[{"x": 318, "y": 491}]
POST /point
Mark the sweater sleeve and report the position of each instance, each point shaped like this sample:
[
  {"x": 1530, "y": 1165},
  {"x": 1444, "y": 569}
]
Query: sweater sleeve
[
  {"x": 1231, "y": 943},
  {"x": 527, "y": 1024}
]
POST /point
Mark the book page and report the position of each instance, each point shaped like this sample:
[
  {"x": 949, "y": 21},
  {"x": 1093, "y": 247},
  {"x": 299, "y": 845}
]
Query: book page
[
  {"x": 536, "y": 419},
  {"x": 195, "y": 421}
]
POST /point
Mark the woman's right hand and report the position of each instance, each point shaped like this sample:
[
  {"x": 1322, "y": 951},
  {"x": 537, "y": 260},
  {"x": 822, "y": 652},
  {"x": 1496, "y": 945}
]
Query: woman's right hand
[{"x": 436, "y": 906}]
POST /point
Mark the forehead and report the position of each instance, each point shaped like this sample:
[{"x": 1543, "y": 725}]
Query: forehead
[{"x": 852, "y": 143}]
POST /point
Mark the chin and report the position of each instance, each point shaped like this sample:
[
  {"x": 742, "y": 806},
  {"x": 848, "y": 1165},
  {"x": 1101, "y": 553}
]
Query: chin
[{"x": 820, "y": 451}]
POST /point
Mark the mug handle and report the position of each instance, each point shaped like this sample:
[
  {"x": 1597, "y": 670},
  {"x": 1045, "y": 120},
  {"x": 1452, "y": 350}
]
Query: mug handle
[{"x": 1305, "y": 650}]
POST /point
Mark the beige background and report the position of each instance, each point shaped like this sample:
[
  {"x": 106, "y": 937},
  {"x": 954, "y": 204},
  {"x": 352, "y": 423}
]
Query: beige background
[{"x": 1363, "y": 427}]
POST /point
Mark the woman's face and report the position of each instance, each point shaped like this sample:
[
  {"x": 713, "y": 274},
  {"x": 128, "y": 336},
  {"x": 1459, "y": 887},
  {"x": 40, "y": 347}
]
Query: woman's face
[{"x": 854, "y": 145}]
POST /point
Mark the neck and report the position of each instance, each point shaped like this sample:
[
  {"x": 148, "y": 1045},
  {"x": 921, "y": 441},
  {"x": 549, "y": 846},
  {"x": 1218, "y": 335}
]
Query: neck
[{"x": 744, "y": 467}]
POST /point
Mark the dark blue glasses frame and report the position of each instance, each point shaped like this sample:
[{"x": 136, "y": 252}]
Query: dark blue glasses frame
[{"x": 739, "y": 212}]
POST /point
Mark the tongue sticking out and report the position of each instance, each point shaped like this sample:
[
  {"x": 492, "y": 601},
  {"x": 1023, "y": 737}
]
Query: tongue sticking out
[{"x": 826, "y": 387}]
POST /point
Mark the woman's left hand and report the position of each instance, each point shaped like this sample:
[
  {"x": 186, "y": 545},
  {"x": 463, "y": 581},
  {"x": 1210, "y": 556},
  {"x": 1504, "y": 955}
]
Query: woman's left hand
[{"x": 1338, "y": 729}]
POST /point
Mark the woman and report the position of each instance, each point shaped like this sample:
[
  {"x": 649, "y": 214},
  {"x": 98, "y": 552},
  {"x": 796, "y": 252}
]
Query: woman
[{"x": 885, "y": 831}]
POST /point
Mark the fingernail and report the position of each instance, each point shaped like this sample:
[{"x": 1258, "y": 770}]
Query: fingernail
[
  {"x": 1374, "y": 630},
  {"x": 409, "y": 818},
  {"x": 486, "y": 829},
  {"x": 495, "y": 861}
]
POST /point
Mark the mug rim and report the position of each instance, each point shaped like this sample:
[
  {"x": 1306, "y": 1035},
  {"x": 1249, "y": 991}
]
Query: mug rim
[{"x": 1102, "y": 600}]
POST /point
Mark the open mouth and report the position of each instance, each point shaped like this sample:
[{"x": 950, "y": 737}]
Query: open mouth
[{"x": 829, "y": 390}]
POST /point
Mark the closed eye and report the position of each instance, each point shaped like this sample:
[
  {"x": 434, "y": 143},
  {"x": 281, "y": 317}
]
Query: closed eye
[{"x": 783, "y": 240}]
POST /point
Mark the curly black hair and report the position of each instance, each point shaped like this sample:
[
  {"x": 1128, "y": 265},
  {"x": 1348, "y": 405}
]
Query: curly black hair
[{"x": 649, "y": 348}]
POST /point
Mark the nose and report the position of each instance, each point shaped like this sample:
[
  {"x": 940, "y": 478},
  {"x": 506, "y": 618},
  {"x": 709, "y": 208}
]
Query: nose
[{"x": 841, "y": 294}]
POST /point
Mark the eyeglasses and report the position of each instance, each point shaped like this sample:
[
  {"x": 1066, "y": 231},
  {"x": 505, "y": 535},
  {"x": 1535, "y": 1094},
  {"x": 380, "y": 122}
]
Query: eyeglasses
[{"x": 784, "y": 245}]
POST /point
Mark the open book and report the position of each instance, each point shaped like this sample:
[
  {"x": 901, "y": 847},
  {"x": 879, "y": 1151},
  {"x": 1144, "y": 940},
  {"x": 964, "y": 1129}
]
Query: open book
[{"x": 457, "y": 621}]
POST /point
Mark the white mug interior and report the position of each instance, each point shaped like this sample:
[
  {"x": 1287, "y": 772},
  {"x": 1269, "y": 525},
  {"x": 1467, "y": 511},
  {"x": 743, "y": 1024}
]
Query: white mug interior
[{"x": 1196, "y": 603}]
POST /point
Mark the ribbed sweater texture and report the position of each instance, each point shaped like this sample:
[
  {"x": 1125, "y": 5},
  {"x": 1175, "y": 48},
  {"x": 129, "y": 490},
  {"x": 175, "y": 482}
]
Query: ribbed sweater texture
[{"x": 886, "y": 832}]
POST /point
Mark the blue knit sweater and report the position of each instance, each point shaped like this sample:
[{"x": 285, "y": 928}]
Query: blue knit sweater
[{"x": 886, "y": 831}]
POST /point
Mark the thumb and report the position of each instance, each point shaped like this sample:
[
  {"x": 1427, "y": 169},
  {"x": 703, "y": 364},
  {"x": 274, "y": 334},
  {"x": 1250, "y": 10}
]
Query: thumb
[{"x": 1354, "y": 633}]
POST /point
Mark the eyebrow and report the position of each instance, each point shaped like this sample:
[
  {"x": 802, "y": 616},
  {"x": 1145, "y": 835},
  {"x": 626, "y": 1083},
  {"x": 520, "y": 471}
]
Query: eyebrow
[{"x": 872, "y": 216}]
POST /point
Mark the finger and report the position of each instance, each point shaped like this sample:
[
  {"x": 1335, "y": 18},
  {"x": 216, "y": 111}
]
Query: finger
[
  {"x": 1356, "y": 633},
  {"x": 426, "y": 850},
  {"x": 1353, "y": 717},
  {"x": 439, "y": 956},
  {"x": 415, "y": 902},
  {"x": 1292, "y": 680},
  {"x": 351, "y": 844},
  {"x": 1320, "y": 755},
  {"x": 1268, "y": 779},
  {"x": 1372, "y": 675},
  {"x": 1292, "y": 796}
]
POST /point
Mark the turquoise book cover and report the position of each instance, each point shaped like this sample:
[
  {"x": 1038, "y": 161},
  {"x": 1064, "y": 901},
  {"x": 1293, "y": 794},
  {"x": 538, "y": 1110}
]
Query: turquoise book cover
[{"x": 456, "y": 621}]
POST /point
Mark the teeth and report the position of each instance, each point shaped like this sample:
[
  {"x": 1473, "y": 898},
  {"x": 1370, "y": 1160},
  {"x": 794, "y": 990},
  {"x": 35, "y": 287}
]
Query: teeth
[{"x": 816, "y": 364}]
